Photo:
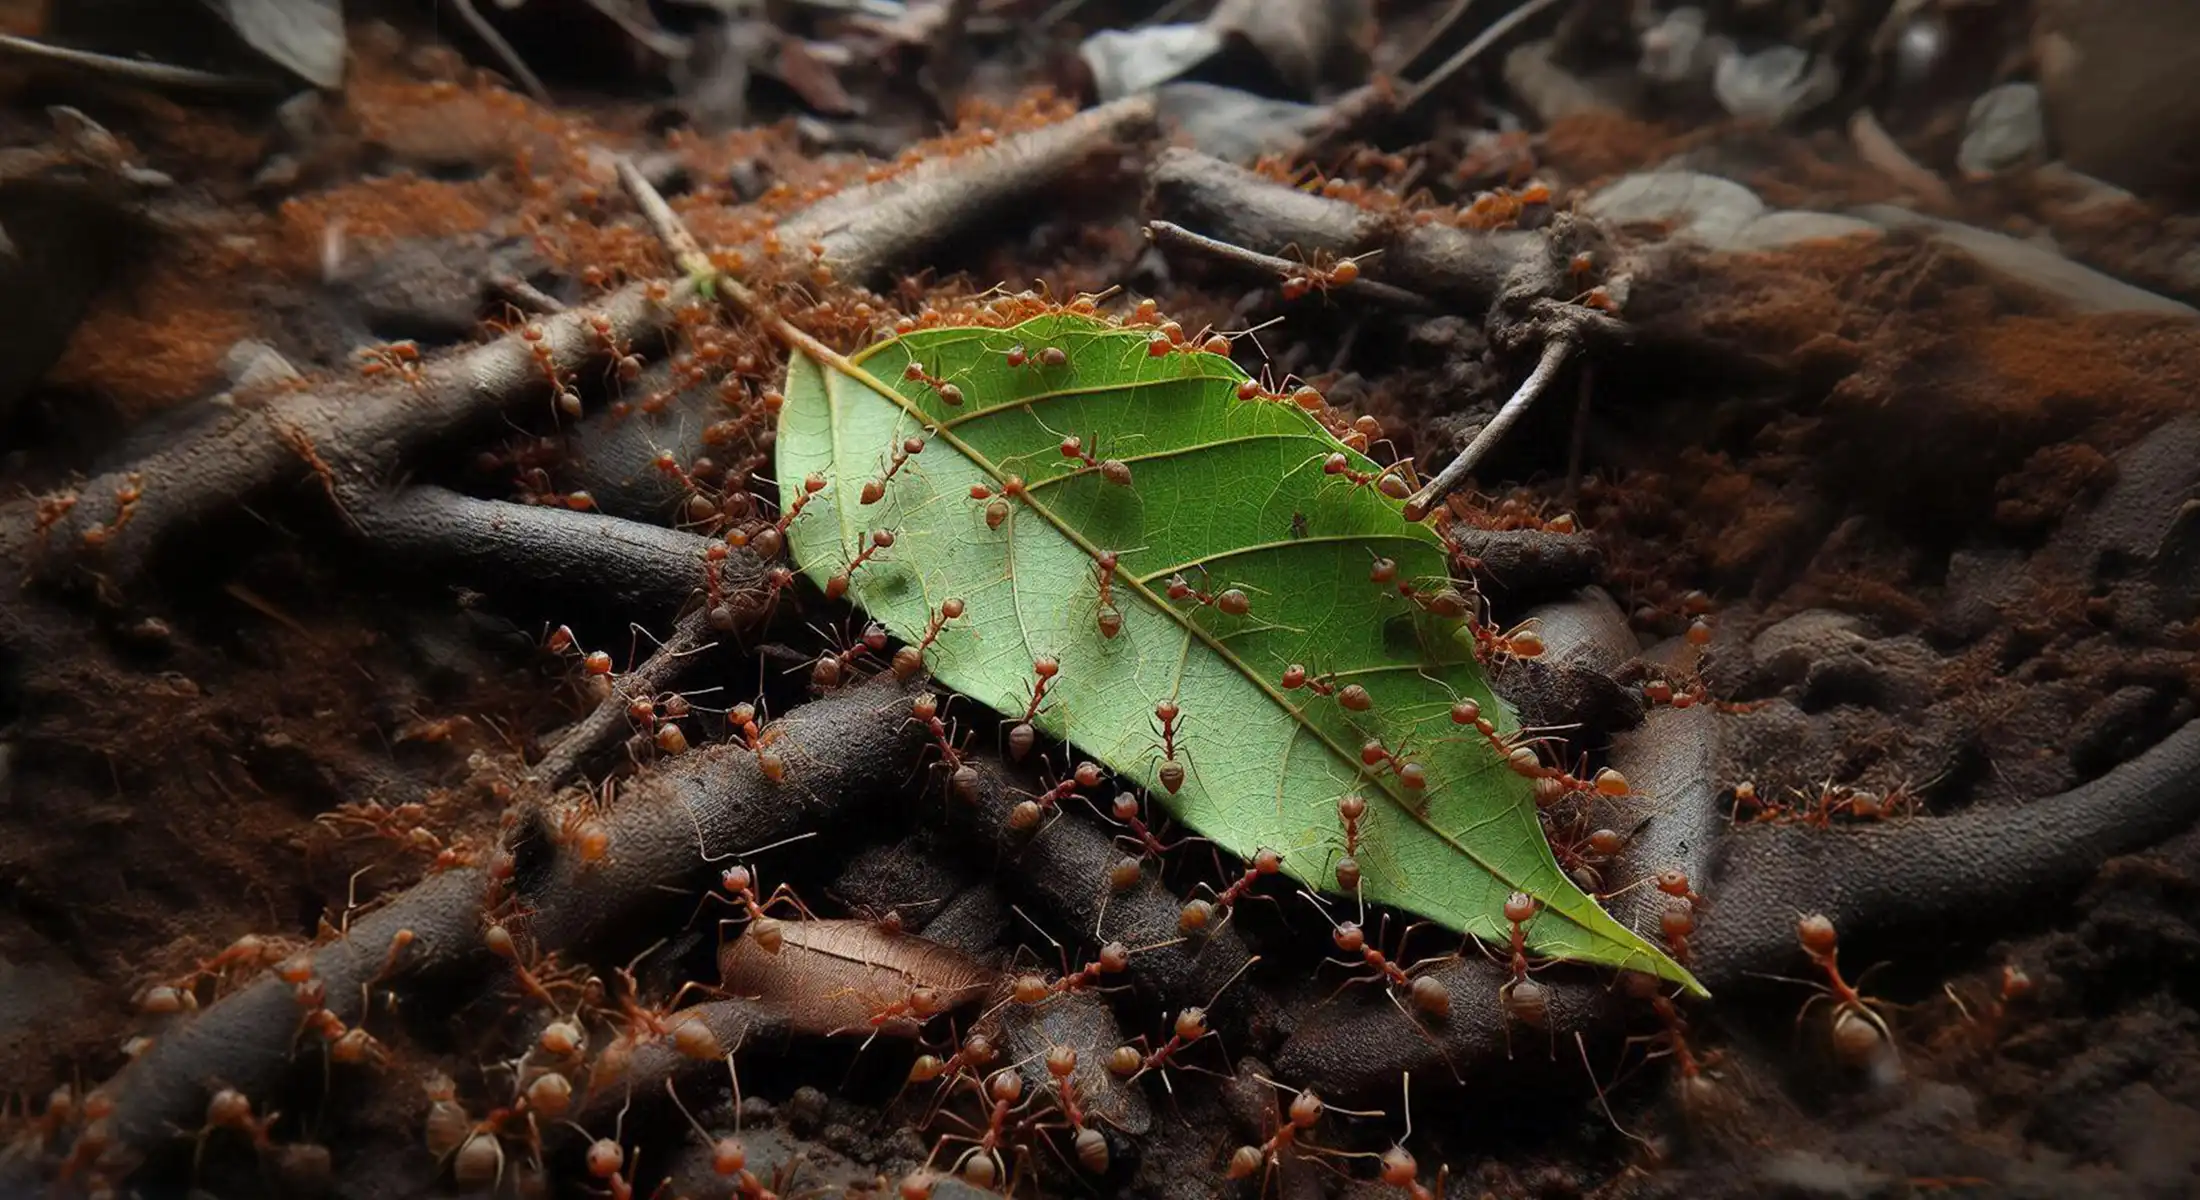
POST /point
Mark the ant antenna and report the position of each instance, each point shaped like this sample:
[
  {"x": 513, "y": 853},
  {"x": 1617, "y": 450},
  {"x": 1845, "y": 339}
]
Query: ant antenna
[
  {"x": 1242, "y": 968},
  {"x": 1405, "y": 1086}
]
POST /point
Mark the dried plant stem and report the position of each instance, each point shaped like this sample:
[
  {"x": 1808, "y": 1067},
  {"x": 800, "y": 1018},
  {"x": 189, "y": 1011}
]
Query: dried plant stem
[
  {"x": 1167, "y": 234},
  {"x": 503, "y": 49},
  {"x": 135, "y": 70},
  {"x": 1447, "y": 481},
  {"x": 655, "y": 674},
  {"x": 1469, "y": 52}
]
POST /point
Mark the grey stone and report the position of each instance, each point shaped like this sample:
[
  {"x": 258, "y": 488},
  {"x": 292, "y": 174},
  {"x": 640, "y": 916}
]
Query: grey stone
[
  {"x": 2004, "y": 130},
  {"x": 1233, "y": 125},
  {"x": 1126, "y": 62},
  {"x": 1551, "y": 91},
  {"x": 1784, "y": 652},
  {"x": 302, "y": 36},
  {"x": 1705, "y": 207},
  {"x": 1676, "y": 49},
  {"x": 1774, "y": 84}
]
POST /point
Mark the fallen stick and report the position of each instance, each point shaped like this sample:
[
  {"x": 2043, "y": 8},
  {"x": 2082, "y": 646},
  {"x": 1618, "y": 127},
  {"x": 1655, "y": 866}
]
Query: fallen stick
[
  {"x": 872, "y": 230},
  {"x": 339, "y": 432},
  {"x": 1170, "y": 235},
  {"x": 1064, "y": 869},
  {"x": 866, "y": 234},
  {"x": 1471, "y": 271},
  {"x": 1971, "y": 871},
  {"x": 625, "y": 565},
  {"x": 841, "y": 752}
]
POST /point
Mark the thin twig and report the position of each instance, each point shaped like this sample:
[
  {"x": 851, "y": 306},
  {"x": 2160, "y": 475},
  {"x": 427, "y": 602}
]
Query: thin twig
[
  {"x": 1469, "y": 52},
  {"x": 1434, "y": 35},
  {"x": 654, "y": 675},
  {"x": 1423, "y": 502},
  {"x": 158, "y": 74},
  {"x": 512, "y": 61},
  {"x": 665, "y": 223},
  {"x": 656, "y": 41},
  {"x": 1169, "y": 234}
]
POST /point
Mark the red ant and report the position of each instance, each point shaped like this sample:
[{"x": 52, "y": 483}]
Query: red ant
[
  {"x": 626, "y": 366},
  {"x": 832, "y": 669},
  {"x": 1022, "y": 736},
  {"x": 1114, "y": 959},
  {"x": 400, "y": 358},
  {"x": 1299, "y": 1117},
  {"x": 1390, "y": 481},
  {"x": 1125, "y": 812},
  {"x": 1197, "y": 913},
  {"x": 1109, "y": 618},
  {"x": 768, "y": 762},
  {"x": 769, "y": 548},
  {"x": 981, "y": 1165},
  {"x": 729, "y": 1159},
  {"x": 568, "y": 401},
  {"x": 972, "y": 1054},
  {"x": 1351, "y": 808},
  {"x": 1048, "y": 356},
  {"x": 1027, "y": 814},
  {"x": 1350, "y": 696},
  {"x": 1411, "y": 775},
  {"x": 880, "y": 539},
  {"x": 231, "y": 1109},
  {"x": 608, "y": 1161},
  {"x": 1428, "y": 994},
  {"x": 909, "y": 660},
  {"x": 925, "y": 711},
  {"x": 949, "y": 394},
  {"x": 874, "y": 490},
  {"x": 1188, "y": 1029},
  {"x": 1314, "y": 277},
  {"x": 1398, "y": 1168},
  {"x": 1232, "y": 601},
  {"x": 1692, "y": 1082},
  {"x": 1523, "y": 999},
  {"x": 740, "y": 891},
  {"x": 996, "y": 498},
  {"x": 1114, "y": 470},
  {"x": 1171, "y": 772},
  {"x": 1859, "y": 1032},
  {"x": 1520, "y": 642},
  {"x": 1089, "y": 1143}
]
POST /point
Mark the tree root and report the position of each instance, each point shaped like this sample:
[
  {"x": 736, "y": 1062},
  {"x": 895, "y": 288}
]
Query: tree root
[
  {"x": 1500, "y": 271},
  {"x": 872, "y": 230},
  {"x": 608, "y": 719},
  {"x": 1064, "y": 868},
  {"x": 866, "y": 233},
  {"x": 669, "y": 826},
  {"x": 248, "y": 1040},
  {"x": 840, "y": 752},
  {"x": 633, "y": 567},
  {"x": 341, "y": 433},
  {"x": 1968, "y": 870}
]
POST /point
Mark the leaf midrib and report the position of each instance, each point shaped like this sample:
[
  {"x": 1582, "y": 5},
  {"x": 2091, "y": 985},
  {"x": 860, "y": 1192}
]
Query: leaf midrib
[{"x": 855, "y": 371}]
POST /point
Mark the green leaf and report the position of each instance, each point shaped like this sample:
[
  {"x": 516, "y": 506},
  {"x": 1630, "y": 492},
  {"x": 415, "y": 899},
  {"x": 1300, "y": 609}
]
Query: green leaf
[{"x": 1231, "y": 493}]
